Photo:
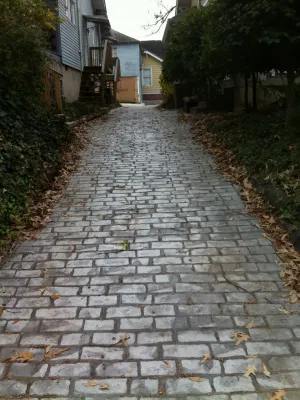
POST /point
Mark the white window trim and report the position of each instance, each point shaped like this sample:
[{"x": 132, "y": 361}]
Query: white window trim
[
  {"x": 70, "y": 7},
  {"x": 150, "y": 68}
]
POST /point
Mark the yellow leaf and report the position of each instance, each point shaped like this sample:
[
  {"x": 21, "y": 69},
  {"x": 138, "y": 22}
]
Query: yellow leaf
[
  {"x": 54, "y": 297},
  {"x": 104, "y": 387},
  {"x": 1, "y": 311},
  {"x": 278, "y": 395},
  {"x": 47, "y": 349},
  {"x": 23, "y": 357},
  {"x": 250, "y": 356},
  {"x": 88, "y": 384},
  {"x": 124, "y": 341},
  {"x": 196, "y": 379},
  {"x": 266, "y": 371},
  {"x": 250, "y": 370},
  {"x": 42, "y": 289},
  {"x": 240, "y": 337},
  {"x": 56, "y": 353},
  {"x": 250, "y": 325},
  {"x": 247, "y": 184},
  {"x": 206, "y": 357}
]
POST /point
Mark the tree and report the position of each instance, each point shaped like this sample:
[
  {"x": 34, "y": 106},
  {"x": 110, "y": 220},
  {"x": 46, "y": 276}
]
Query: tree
[
  {"x": 24, "y": 31},
  {"x": 260, "y": 35},
  {"x": 184, "y": 49}
]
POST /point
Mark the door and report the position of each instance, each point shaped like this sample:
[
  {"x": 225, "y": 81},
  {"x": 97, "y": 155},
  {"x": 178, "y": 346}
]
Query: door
[{"x": 128, "y": 90}]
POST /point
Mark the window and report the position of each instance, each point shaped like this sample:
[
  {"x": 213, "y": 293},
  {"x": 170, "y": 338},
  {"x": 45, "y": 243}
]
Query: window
[
  {"x": 114, "y": 52},
  {"x": 71, "y": 10},
  {"x": 147, "y": 77}
]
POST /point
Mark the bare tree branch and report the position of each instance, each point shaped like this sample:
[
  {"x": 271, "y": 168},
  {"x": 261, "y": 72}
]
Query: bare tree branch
[{"x": 160, "y": 18}]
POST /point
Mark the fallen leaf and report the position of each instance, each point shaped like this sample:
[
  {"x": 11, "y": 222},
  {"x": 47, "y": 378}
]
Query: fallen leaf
[
  {"x": 206, "y": 357},
  {"x": 278, "y": 395},
  {"x": 196, "y": 379},
  {"x": 167, "y": 364},
  {"x": 266, "y": 371},
  {"x": 16, "y": 321},
  {"x": 240, "y": 337},
  {"x": 124, "y": 341},
  {"x": 54, "y": 297},
  {"x": 23, "y": 357},
  {"x": 89, "y": 384},
  {"x": 56, "y": 353},
  {"x": 47, "y": 349},
  {"x": 42, "y": 289},
  {"x": 285, "y": 311},
  {"x": 250, "y": 356},
  {"x": 250, "y": 325},
  {"x": 1, "y": 311},
  {"x": 104, "y": 387},
  {"x": 247, "y": 184},
  {"x": 250, "y": 371},
  {"x": 294, "y": 297}
]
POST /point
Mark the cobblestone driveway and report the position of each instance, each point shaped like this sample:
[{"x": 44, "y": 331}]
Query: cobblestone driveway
[{"x": 153, "y": 264}]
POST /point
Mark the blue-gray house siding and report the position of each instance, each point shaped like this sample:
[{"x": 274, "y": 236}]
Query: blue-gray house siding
[
  {"x": 130, "y": 58},
  {"x": 74, "y": 36}
]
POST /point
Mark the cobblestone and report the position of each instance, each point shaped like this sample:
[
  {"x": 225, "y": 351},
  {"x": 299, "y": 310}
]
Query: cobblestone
[{"x": 140, "y": 320}]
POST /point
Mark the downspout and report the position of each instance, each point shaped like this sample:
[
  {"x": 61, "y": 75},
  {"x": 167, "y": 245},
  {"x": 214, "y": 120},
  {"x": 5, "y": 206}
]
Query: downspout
[{"x": 79, "y": 35}]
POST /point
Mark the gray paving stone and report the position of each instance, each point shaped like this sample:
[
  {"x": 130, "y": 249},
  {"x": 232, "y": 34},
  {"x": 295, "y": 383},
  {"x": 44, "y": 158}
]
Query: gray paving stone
[
  {"x": 158, "y": 368},
  {"x": 144, "y": 387},
  {"x": 70, "y": 370},
  {"x": 50, "y": 387},
  {"x": 185, "y": 386},
  {"x": 143, "y": 352},
  {"x": 284, "y": 380},
  {"x": 231, "y": 384},
  {"x": 271, "y": 348},
  {"x": 198, "y": 367},
  {"x": 101, "y": 353},
  {"x": 116, "y": 386},
  {"x": 120, "y": 369},
  {"x": 12, "y": 388}
]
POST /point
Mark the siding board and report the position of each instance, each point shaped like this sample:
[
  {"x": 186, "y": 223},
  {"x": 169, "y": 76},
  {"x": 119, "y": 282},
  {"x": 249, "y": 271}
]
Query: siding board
[{"x": 155, "y": 65}]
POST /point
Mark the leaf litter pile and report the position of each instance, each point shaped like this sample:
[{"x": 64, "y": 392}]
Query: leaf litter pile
[
  {"x": 232, "y": 169},
  {"x": 41, "y": 211}
]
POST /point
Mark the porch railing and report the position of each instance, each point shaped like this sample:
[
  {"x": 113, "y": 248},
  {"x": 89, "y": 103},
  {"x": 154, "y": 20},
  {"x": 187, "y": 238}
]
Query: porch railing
[{"x": 96, "y": 56}]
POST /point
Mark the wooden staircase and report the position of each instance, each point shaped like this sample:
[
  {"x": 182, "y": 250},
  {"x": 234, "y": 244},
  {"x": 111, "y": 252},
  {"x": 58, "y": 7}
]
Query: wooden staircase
[{"x": 99, "y": 79}]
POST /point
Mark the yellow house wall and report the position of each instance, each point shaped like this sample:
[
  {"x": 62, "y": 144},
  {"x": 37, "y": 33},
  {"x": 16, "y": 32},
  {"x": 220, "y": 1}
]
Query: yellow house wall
[{"x": 150, "y": 62}]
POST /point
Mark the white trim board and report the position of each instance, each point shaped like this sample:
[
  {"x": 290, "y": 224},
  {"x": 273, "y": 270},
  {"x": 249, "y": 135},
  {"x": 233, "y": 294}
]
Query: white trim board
[{"x": 153, "y": 55}]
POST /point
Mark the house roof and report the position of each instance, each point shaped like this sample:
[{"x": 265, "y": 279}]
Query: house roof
[
  {"x": 154, "y": 47},
  {"x": 121, "y": 38}
]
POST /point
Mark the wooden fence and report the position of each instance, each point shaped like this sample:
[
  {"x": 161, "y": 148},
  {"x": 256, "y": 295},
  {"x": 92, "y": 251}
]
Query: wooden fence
[{"x": 53, "y": 90}]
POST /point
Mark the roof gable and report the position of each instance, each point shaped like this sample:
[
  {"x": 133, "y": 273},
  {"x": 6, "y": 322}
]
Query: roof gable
[
  {"x": 123, "y": 39},
  {"x": 155, "y": 48}
]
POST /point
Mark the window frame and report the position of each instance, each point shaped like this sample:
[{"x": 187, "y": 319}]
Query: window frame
[
  {"x": 70, "y": 7},
  {"x": 151, "y": 77}
]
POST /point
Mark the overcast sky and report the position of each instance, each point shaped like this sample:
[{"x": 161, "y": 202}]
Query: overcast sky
[{"x": 129, "y": 17}]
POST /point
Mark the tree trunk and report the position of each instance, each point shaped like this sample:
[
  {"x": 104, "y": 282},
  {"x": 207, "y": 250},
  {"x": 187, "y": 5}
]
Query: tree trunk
[
  {"x": 238, "y": 106},
  {"x": 246, "y": 92},
  {"x": 254, "y": 90},
  {"x": 290, "y": 93}
]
